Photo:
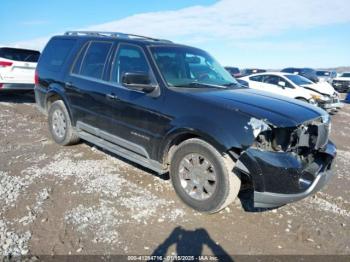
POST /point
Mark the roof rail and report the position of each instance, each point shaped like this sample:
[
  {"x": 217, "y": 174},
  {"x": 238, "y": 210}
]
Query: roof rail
[{"x": 114, "y": 34}]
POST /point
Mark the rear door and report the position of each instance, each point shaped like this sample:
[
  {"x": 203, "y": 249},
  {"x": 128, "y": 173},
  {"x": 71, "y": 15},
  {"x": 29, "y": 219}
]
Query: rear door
[
  {"x": 85, "y": 85},
  {"x": 18, "y": 65},
  {"x": 255, "y": 82}
]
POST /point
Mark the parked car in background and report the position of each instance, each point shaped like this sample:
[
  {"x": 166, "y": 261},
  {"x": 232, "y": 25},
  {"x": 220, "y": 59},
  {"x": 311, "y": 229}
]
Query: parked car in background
[
  {"x": 17, "y": 68},
  {"x": 234, "y": 71},
  {"x": 174, "y": 108},
  {"x": 309, "y": 73},
  {"x": 250, "y": 71},
  {"x": 324, "y": 75},
  {"x": 295, "y": 86},
  {"x": 342, "y": 82},
  {"x": 279, "y": 84}
]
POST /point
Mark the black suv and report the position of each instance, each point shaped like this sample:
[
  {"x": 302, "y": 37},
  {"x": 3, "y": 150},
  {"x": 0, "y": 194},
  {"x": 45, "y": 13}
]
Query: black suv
[{"x": 173, "y": 108}]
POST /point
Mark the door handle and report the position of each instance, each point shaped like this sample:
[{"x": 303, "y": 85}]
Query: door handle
[{"x": 111, "y": 96}]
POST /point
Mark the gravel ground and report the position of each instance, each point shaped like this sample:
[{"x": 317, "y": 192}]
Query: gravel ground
[{"x": 82, "y": 200}]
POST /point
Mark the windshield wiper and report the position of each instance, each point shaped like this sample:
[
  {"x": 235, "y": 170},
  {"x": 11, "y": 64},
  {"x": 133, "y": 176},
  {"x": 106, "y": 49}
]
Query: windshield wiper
[{"x": 199, "y": 84}]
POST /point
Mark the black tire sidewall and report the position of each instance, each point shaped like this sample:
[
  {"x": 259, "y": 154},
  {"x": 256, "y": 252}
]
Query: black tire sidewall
[
  {"x": 58, "y": 105},
  {"x": 216, "y": 200}
]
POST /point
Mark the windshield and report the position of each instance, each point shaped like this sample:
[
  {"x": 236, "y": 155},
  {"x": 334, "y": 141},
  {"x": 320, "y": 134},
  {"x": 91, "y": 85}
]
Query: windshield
[
  {"x": 345, "y": 75},
  {"x": 299, "y": 80},
  {"x": 189, "y": 67}
]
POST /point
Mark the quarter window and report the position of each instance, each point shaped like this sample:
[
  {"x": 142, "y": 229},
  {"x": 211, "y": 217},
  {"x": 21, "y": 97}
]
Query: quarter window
[
  {"x": 56, "y": 53},
  {"x": 129, "y": 59},
  {"x": 95, "y": 59}
]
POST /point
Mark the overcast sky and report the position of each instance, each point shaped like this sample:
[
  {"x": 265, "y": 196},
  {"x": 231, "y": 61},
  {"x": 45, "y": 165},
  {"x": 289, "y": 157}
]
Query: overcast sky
[{"x": 250, "y": 33}]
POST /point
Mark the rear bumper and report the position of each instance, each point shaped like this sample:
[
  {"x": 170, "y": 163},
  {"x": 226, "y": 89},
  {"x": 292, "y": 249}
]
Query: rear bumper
[
  {"x": 16, "y": 86},
  {"x": 280, "y": 178}
]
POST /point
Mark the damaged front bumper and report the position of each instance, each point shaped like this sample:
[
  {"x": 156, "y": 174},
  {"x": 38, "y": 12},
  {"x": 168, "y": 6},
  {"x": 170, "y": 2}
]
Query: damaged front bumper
[
  {"x": 332, "y": 104},
  {"x": 282, "y": 177}
]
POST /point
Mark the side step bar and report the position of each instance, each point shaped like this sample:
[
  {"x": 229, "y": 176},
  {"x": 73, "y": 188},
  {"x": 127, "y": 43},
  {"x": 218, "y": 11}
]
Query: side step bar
[{"x": 123, "y": 152}]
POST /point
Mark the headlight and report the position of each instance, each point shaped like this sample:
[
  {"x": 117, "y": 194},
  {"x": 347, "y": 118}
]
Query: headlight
[{"x": 316, "y": 97}]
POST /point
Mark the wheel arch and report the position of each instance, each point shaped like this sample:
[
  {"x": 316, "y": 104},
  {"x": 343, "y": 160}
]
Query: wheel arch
[
  {"x": 176, "y": 137},
  {"x": 54, "y": 95}
]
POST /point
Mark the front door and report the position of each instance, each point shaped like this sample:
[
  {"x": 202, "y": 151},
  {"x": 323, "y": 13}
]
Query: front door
[{"x": 135, "y": 117}]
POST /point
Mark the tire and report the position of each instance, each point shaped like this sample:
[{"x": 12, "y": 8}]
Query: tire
[
  {"x": 193, "y": 167},
  {"x": 60, "y": 125}
]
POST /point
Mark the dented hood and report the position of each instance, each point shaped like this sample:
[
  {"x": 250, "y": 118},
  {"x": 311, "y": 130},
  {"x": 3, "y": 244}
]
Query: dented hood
[
  {"x": 276, "y": 110},
  {"x": 321, "y": 87}
]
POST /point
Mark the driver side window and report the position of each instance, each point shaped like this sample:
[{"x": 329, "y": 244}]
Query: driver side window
[{"x": 129, "y": 59}]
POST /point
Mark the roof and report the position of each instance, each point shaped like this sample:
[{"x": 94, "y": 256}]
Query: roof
[{"x": 115, "y": 35}]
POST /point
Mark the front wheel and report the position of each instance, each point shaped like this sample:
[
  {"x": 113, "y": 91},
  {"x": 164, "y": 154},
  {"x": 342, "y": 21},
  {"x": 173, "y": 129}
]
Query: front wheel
[{"x": 202, "y": 177}]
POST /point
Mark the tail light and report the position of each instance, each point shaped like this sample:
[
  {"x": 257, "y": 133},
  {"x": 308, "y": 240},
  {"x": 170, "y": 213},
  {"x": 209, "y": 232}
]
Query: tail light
[
  {"x": 1, "y": 85},
  {"x": 5, "y": 63},
  {"x": 36, "y": 78}
]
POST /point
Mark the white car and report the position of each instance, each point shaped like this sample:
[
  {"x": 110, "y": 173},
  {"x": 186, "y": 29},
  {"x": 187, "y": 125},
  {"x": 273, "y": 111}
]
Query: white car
[
  {"x": 342, "y": 82},
  {"x": 17, "y": 68},
  {"x": 296, "y": 86}
]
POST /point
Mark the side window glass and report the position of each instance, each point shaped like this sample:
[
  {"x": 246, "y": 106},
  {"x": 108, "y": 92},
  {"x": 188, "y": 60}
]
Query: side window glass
[
  {"x": 269, "y": 79},
  {"x": 79, "y": 59},
  {"x": 56, "y": 53},
  {"x": 286, "y": 83},
  {"x": 256, "y": 78},
  {"x": 129, "y": 59},
  {"x": 95, "y": 59}
]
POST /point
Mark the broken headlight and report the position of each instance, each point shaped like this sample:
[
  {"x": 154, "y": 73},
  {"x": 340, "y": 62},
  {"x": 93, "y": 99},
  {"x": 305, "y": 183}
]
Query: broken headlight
[{"x": 275, "y": 139}]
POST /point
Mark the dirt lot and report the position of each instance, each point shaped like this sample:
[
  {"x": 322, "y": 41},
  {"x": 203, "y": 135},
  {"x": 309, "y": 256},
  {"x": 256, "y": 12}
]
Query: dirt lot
[{"x": 82, "y": 200}]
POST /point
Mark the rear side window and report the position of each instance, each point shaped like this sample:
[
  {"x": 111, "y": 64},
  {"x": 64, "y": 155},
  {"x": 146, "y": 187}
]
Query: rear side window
[
  {"x": 95, "y": 59},
  {"x": 256, "y": 78},
  {"x": 21, "y": 55},
  {"x": 56, "y": 53},
  {"x": 79, "y": 59}
]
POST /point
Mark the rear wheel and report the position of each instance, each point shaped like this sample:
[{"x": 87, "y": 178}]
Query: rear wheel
[
  {"x": 202, "y": 177},
  {"x": 60, "y": 125}
]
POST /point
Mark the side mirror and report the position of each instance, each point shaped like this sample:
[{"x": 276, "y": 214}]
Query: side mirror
[
  {"x": 138, "y": 81},
  {"x": 282, "y": 84}
]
